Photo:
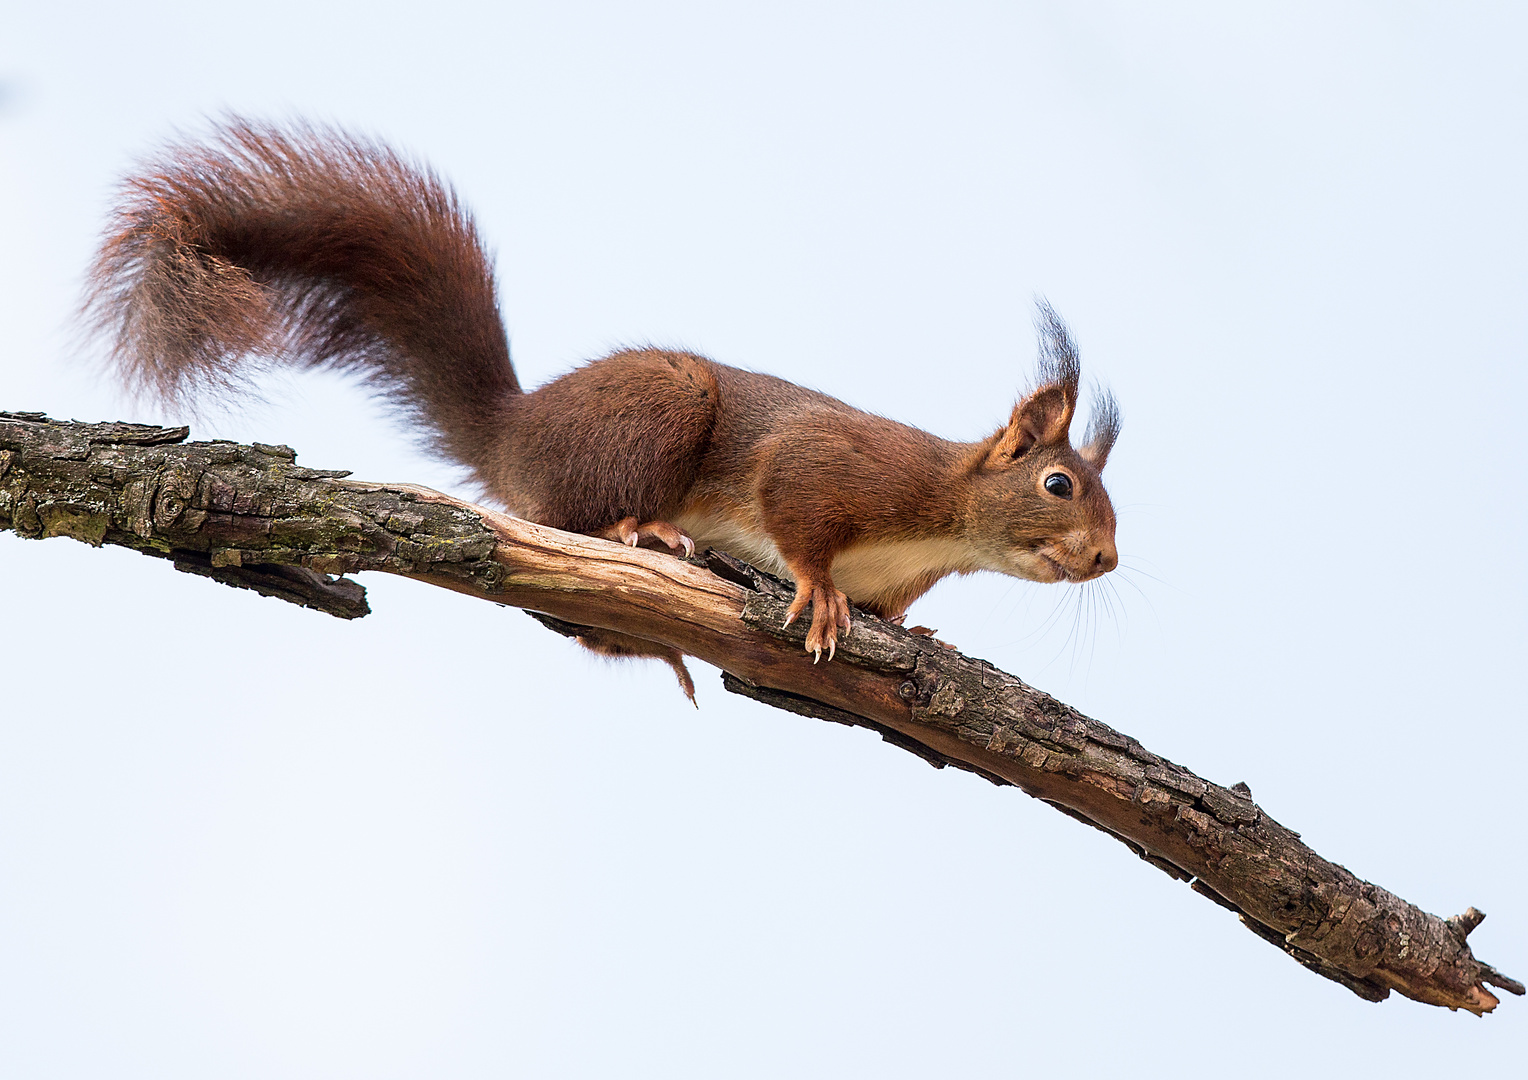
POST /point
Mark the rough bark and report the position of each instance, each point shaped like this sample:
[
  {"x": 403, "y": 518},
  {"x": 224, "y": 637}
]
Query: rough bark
[{"x": 250, "y": 517}]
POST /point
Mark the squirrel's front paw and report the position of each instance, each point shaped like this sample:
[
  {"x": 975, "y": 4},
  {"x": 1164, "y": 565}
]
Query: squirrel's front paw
[{"x": 830, "y": 611}]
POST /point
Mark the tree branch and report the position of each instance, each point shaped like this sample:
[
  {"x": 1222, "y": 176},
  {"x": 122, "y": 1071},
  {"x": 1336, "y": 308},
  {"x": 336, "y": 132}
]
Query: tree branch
[{"x": 250, "y": 517}]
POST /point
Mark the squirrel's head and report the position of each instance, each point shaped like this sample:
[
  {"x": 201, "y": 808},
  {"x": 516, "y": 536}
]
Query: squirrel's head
[{"x": 1040, "y": 510}]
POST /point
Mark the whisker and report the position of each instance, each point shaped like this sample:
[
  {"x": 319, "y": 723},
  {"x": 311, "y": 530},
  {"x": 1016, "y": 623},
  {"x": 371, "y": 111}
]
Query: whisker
[
  {"x": 1058, "y": 609},
  {"x": 1070, "y": 641},
  {"x": 1089, "y": 630},
  {"x": 1112, "y": 597},
  {"x": 1047, "y": 624},
  {"x": 1074, "y": 634},
  {"x": 1124, "y": 565},
  {"x": 1125, "y": 577},
  {"x": 997, "y": 603}
]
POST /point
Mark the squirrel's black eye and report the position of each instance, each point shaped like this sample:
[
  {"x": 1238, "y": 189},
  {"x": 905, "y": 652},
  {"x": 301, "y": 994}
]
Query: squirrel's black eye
[{"x": 1059, "y": 485}]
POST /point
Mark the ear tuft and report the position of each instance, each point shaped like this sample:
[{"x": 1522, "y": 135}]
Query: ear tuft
[
  {"x": 1058, "y": 364},
  {"x": 1103, "y": 429},
  {"x": 1045, "y": 416}
]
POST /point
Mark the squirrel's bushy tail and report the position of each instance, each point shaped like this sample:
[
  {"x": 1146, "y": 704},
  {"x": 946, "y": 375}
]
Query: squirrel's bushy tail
[{"x": 308, "y": 246}]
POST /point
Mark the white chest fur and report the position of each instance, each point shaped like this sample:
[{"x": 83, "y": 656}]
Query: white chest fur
[
  {"x": 891, "y": 566},
  {"x": 744, "y": 539},
  {"x": 864, "y": 572}
]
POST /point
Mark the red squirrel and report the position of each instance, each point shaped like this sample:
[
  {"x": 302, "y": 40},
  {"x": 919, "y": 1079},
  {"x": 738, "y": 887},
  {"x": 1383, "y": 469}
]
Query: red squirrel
[{"x": 318, "y": 248}]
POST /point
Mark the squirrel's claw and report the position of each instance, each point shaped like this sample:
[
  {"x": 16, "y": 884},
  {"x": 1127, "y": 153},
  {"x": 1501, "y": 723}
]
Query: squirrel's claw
[
  {"x": 628, "y": 532},
  {"x": 830, "y": 613}
]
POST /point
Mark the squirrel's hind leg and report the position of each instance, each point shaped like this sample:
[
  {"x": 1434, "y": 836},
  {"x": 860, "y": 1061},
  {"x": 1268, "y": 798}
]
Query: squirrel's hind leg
[
  {"x": 621, "y": 437},
  {"x": 628, "y": 532}
]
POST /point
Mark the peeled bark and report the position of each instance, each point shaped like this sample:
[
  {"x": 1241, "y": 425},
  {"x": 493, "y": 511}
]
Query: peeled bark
[{"x": 250, "y": 517}]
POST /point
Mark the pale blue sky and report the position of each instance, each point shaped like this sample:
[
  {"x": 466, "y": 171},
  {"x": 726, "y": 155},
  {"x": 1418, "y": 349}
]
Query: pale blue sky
[{"x": 241, "y": 839}]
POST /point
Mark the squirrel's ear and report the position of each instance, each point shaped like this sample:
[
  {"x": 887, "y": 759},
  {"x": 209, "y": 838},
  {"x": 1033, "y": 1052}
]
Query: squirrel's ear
[{"x": 1042, "y": 418}]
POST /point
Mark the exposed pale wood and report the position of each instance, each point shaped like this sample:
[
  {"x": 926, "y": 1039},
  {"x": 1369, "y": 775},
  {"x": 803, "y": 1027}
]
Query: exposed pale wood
[{"x": 249, "y": 516}]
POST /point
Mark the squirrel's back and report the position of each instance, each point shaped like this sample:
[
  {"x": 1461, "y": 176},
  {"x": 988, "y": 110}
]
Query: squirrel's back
[{"x": 309, "y": 246}]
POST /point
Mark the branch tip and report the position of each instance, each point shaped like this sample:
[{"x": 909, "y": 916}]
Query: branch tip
[
  {"x": 1464, "y": 924},
  {"x": 1501, "y": 982}
]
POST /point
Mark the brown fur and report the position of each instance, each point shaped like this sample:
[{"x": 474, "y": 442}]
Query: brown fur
[
  {"x": 318, "y": 248},
  {"x": 314, "y": 247}
]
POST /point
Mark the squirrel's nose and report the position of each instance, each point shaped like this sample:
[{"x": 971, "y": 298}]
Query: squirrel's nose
[{"x": 1105, "y": 558}]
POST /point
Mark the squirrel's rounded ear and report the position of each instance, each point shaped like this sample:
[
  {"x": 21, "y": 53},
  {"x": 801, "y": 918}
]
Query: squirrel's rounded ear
[{"x": 1043, "y": 418}]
